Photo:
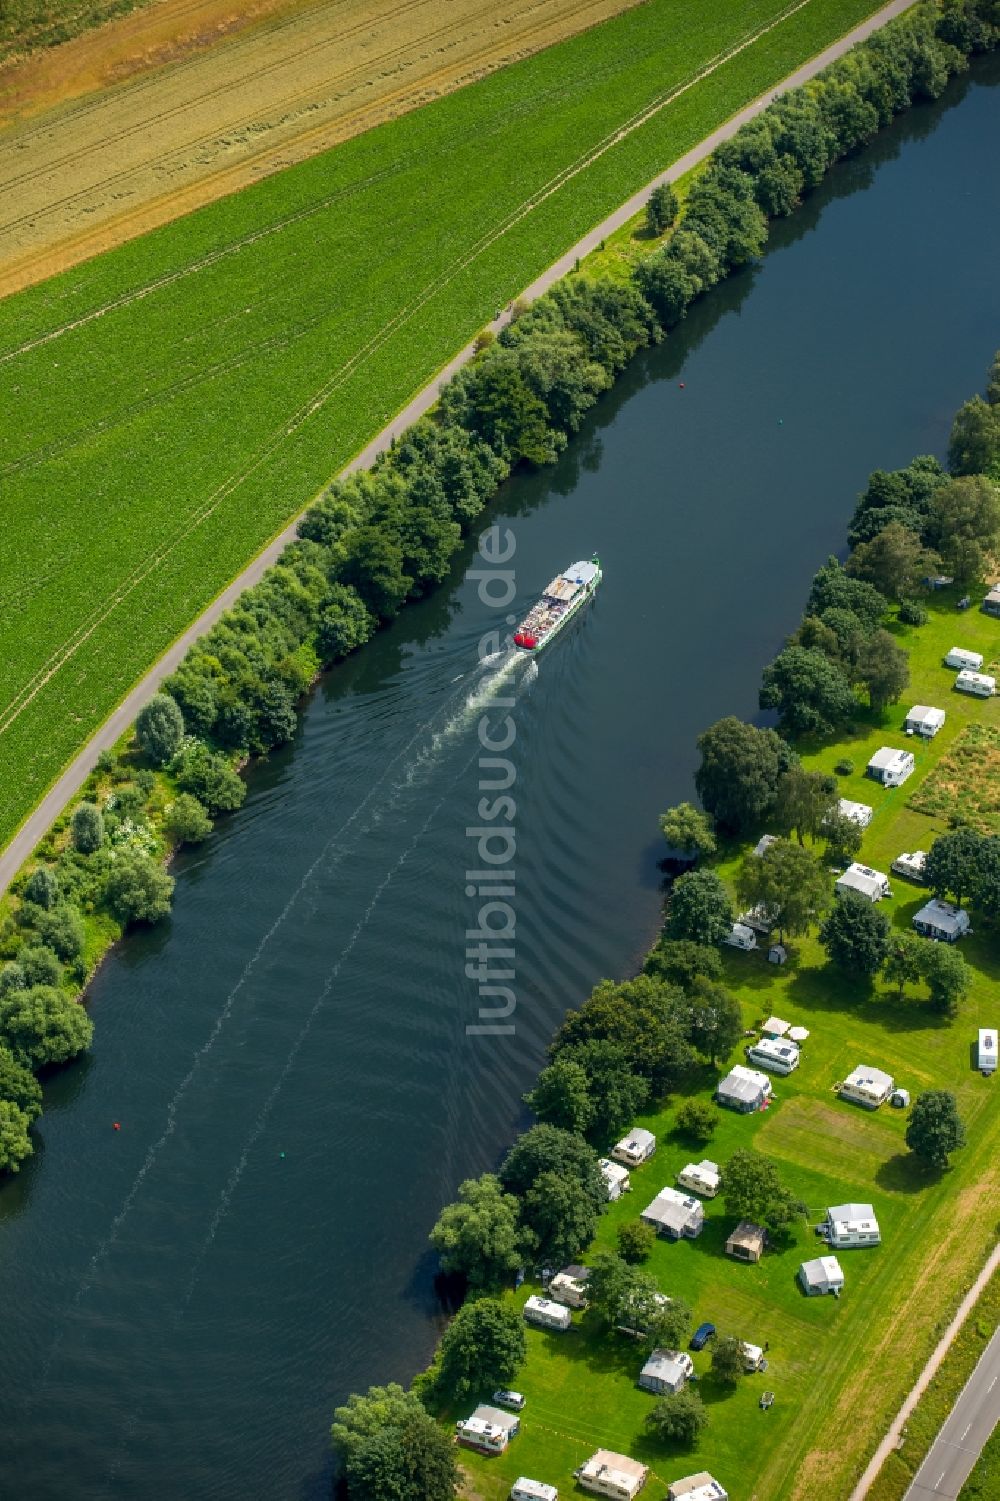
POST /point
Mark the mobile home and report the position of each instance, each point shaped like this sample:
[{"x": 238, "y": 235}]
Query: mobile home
[
  {"x": 911, "y": 865},
  {"x": 859, "y": 813},
  {"x": 546, "y": 1314},
  {"x": 891, "y": 767},
  {"x": 666, "y": 1372},
  {"x": 976, "y": 683},
  {"x": 866, "y": 1086},
  {"x": 613, "y": 1475},
  {"x": 925, "y": 721},
  {"x": 871, "y": 884},
  {"x": 616, "y": 1178},
  {"x": 743, "y": 1089},
  {"x": 524, "y": 1489},
  {"x": 675, "y": 1215},
  {"x": 774, "y": 1057},
  {"x": 986, "y": 1054},
  {"x": 821, "y": 1276},
  {"x": 968, "y": 661},
  {"x": 489, "y": 1429},
  {"x": 941, "y": 921},
  {"x": 700, "y": 1487},
  {"x": 701, "y": 1178},
  {"x": 850, "y": 1225},
  {"x": 991, "y": 604},
  {"x": 565, "y": 1288},
  {"x": 741, "y": 936},
  {"x": 635, "y": 1148}
]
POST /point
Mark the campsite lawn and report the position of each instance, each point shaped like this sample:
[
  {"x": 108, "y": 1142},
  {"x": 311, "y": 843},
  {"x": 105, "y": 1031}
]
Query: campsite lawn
[
  {"x": 839, "y": 1368},
  {"x": 168, "y": 406}
]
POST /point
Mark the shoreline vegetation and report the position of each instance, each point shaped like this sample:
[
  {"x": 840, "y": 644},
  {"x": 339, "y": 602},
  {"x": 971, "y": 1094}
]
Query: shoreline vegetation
[
  {"x": 650, "y": 1050},
  {"x": 382, "y": 536}
]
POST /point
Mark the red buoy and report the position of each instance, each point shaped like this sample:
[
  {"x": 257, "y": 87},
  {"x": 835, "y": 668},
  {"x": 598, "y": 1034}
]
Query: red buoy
[
  {"x": 681, "y": 384},
  {"x": 117, "y": 1125}
]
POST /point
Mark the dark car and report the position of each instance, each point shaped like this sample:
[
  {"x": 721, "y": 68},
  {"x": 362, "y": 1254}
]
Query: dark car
[{"x": 701, "y": 1336}]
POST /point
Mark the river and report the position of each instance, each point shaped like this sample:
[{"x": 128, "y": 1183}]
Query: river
[{"x": 185, "y": 1299}]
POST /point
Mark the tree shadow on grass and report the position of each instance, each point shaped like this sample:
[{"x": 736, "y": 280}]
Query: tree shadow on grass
[{"x": 906, "y": 1173}]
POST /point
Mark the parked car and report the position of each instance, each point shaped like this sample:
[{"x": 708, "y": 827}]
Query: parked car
[
  {"x": 701, "y": 1336},
  {"x": 509, "y": 1399}
]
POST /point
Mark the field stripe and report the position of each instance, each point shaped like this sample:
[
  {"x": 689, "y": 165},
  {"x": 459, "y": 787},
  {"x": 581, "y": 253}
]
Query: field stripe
[{"x": 72, "y": 643}]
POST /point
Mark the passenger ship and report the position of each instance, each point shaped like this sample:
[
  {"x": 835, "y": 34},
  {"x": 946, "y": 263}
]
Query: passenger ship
[{"x": 567, "y": 593}]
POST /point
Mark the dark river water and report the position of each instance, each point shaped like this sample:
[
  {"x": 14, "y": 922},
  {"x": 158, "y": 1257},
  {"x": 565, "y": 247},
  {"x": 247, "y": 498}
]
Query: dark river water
[{"x": 186, "y": 1299}]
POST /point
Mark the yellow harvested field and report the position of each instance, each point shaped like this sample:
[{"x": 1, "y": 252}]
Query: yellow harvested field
[{"x": 213, "y": 100}]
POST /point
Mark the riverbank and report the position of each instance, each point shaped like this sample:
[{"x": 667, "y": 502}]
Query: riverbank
[
  {"x": 227, "y": 427},
  {"x": 237, "y": 687}
]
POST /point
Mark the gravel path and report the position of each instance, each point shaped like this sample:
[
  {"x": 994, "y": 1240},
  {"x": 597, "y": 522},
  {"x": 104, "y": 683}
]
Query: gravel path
[{"x": 69, "y": 783}]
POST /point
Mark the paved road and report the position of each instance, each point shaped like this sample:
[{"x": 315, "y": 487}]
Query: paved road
[
  {"x": 893, "y": 1438},
  {"x": 958, "y": 1445},
  {"x": 69, "y": 783}
]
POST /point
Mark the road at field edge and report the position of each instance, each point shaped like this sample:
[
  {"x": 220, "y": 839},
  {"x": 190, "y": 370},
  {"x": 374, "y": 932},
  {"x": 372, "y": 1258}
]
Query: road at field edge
[
  {"x": 980, "y": 1395},
  {"x": 71, "y": 780}
]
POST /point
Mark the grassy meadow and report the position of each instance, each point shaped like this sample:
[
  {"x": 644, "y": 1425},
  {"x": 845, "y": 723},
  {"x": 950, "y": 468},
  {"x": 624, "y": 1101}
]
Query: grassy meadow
[
  {"x": 839, "y": 1368},
  {"x": 170, "y": 405}
]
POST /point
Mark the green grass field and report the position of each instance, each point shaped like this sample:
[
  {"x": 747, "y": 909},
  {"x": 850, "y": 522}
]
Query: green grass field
[
  {"x": 167, "y": 407},
  {"x": 839, "y": 1368}
]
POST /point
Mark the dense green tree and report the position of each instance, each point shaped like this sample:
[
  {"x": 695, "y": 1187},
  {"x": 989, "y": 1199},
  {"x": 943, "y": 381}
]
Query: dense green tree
[
  {"x": 492, "y": 400},
  {"x": 374, "y": 567},
  {"x": 616, "y": 1092},
  {"x": 41, "y": 1026},
  {"x": 993, "y": 379},
  {"x": 688, "y": 831},
  {"x": 548, "y": 1149},
  {"x": 42, "y": 887},
  {"x": 186, "y": 820},
  {"x": 39, "y": 965},
  {"x": 805, "y": 800},
  {"x": 194, "y": 688},
  {"x": 974, "y": 445},
  {"x": 699, "y": 910},
  {"x": 953, "y": 864},
  {"x": 159, "y": 729},
  {"x": 12, "y": 977},
  {"x": 728, "y": 1362},
  {"x": 211, "y": 778},
  {"x": 679, "y": 963},
  {"x": 15, "y": 1143},
  {"x": 562, "y": 1096},
  {"x": 904, "y": 962},
  {"x": 935, "y": 1129},
  {"x": 635, "y": 1241},
  {"x": 392, "y": 1450},
  {"x": 967, "y": 519},
  {"x": 697, "y": 1120},
  {"x": 555, "y": 368},
  {"x": 643, "y": 1017},
  {"x": 843, "y": 838},
  {"x": 737, "y": 780},
  {"x": 833, "y": 588},
  {"x": 661, "y": 209},
  {"x": 19, "y": 1085},
  {"x": 698, "y": 259},
  {"x": 138, "y": 889},
  {"x": 883, "y": 668},
  {"x": 559, "y": 1216},
  {"x": 678, "y": 1418},
  {"x": 614, "y": 1283},
  {"x": 345, "y": 623},
  {"x": 986, "y": 894},
  {"x": 667, "y": 1325},
  {"x": 668, "y": 285},
  {"x": 479, "y": 1235},
  {"x": 715, "y": 1022},
  {"x": 895, "y": 561},
  {"x": 62, "y": 931},
  {"x": 87, "y": 828},
  {"x": 483, "y": 1347},
  {"x": 856, "y": 934},
  {"x": 751, "y": 1189},
  {"x": 413, "y": 1460},
  {"x": 789, "y": 882},
  {"x": 810, "y": 692},
  {"x": 947, "y": 976}
]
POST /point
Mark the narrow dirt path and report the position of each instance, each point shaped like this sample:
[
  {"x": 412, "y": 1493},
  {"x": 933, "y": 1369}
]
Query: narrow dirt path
[{"x": 52, "y": 804}]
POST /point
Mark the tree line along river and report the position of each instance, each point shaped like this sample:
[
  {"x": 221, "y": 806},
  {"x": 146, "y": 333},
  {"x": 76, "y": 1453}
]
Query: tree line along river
[{"x": 187, "y": 1298}]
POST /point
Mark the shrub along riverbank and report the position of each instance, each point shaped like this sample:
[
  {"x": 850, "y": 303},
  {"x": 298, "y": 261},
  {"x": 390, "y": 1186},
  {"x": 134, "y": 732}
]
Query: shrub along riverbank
[
  {"x": 380, "y": 538},
  {"x": 650, "y": 1050}
]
